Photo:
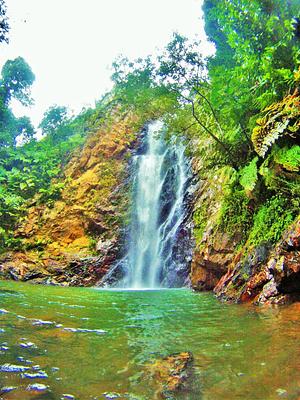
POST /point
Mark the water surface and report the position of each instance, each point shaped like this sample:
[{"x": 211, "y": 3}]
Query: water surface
[{"x": 96, "y": 342}]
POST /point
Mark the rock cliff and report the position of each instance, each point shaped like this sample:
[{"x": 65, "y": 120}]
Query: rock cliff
[{"x": 75, "y": 239}]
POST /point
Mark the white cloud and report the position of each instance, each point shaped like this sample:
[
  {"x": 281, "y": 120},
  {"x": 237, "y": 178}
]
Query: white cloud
[{"x": 70, "y": 44}]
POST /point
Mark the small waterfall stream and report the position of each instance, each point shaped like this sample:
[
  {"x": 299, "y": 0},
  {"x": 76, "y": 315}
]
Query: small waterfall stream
[{"x": 158, "y": 197}]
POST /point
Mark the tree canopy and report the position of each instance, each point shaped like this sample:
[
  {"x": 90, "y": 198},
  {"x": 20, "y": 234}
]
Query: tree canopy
[{"x": 4, "y": 26}]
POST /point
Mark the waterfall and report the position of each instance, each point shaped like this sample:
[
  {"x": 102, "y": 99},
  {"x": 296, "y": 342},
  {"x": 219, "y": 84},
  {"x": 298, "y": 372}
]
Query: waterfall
[{"x": 157, "y": 211}]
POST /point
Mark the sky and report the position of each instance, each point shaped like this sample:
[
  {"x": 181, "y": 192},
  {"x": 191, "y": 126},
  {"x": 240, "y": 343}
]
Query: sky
[{"x": 71, "y": 44}]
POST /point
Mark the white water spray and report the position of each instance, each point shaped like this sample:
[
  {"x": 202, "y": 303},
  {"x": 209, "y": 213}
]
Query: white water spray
[{"x": 161, "y": 174}]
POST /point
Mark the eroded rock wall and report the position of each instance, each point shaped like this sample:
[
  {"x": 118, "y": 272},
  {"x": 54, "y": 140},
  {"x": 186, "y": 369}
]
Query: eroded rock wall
[
  {"x": 266, "y": 274},
  {"x": 76, "y": 239}
]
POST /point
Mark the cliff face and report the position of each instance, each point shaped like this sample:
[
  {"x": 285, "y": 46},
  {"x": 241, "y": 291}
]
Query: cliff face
[
  {"x": 246, "y": 221},
  {"x": 77, "y": 238},
  {"x": 215, "y": 249},
  {"x": 264, "y": 273}
]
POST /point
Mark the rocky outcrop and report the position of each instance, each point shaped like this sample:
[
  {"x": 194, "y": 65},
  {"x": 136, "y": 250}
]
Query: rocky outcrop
[
  {"x": 215, "y": 249},
  {"x": 267, "y": 274},
  {"x": 77, "y": 238}
]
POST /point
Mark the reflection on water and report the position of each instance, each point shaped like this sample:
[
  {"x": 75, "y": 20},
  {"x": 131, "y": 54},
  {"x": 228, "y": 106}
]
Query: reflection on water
[{"x": 57, "y": 342}]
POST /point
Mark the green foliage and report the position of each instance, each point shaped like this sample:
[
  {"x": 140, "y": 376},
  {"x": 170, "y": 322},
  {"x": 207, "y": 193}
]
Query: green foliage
[
  {"x": 257, "y": 54},
  {"x": 289, "y": 158},
  {"x": 15, "y": 82},
  {"x": 236, "y": 214},
  {"x": 4, "y": 27},
  {"x": 50, "y": 194},
  {"x": 279, "y": 119},
  {"x": 248, "y": 176},
  {"x": 135, "y": 88},
  {"x": 200, "y": 222},
  {"x": 272, "y": 219},
  {"x": 17, "y": 77},
  {"x": 280, "y": 171},
  {"x": 53, "y": 119}
]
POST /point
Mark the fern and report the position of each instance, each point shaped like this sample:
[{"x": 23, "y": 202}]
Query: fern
[
  {"x": 278, "y": 120},
  {"x": 289, "y": 158},
  {"x": 248, "y": 176}
]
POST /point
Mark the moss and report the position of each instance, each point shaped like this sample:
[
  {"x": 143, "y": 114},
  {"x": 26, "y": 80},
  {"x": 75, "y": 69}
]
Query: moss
[
  {"x": 271, "y": 219},
  {"x": 200, "y": 222},
  {"x": 235, "y": 214}
]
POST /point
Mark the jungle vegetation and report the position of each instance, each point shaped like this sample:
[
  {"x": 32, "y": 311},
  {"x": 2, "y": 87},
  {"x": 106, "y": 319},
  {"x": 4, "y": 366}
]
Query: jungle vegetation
[{"x": 239, "y": 108}]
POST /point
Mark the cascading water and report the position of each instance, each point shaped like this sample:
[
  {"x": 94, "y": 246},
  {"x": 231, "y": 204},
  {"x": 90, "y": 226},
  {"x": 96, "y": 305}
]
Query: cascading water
[{"x": 158, "y": 197}]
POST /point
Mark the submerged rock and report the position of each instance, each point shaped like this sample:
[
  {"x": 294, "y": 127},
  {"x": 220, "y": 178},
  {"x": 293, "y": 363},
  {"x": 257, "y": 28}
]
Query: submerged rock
[{"x": 172, "y": 373}]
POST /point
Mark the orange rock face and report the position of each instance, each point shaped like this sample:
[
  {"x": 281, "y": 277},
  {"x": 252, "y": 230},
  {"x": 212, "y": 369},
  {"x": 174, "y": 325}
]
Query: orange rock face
[{"x": 92, "y": 207}]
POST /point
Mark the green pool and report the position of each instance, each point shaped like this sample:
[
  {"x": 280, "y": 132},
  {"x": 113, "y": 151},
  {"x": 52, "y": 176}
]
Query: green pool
[{"x": 93, "y": 344}]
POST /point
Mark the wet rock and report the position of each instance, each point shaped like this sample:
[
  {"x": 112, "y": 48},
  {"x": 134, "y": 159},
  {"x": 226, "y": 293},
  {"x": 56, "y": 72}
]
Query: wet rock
[
  {"x": 105, "y": 246},
  {"x": 215, "y": 249},
  {"x": 14, "y": 273},
  {"x": 7, "y": 389},
  {"x": 40, "y": 322},
  {"x": 37, "y": 387},
  {"x": 28, "y": 345},
  {"x": 267, "y": 275},
  {"x": 13, "y": 368},
  {"x": 84, "y": 330},
  {"x": 33, "y": 274},
  {"x": 35, "y": 375},
  {"x": 172, "y": 373}
]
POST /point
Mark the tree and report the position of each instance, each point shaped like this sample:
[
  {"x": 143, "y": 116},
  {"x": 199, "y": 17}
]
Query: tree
[
  {"x": 24, "y": 130},
  {"x": 54, "y": 118},
  {"x": 257, "y": 54},
  {"x": 182, "y": 69},
  {"x": 4, "y": 27},
  {"x": 17, "y": 78},
  {"x": 56, "y": 123},
  {"x": 136, "y": 88}
]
